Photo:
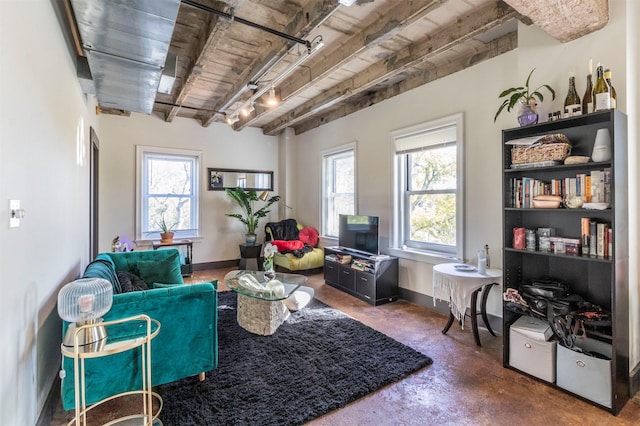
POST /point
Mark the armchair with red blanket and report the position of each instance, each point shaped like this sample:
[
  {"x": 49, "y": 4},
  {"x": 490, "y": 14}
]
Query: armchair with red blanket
[{"x": 297, "y": 246}]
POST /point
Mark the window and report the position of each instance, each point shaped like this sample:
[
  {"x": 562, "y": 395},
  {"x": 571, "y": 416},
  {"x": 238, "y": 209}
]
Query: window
[
  {"x": 428, "y": 212},
  {"x": 338, "y": 193},
  {"x": 168, "y": 187}
]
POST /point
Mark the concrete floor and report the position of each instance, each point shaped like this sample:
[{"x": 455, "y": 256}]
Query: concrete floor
[{"x": 466, "y": 385}]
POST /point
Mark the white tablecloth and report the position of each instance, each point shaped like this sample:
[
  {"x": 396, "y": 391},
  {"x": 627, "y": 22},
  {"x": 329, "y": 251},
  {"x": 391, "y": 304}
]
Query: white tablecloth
[{"x": 455, "y": 286}]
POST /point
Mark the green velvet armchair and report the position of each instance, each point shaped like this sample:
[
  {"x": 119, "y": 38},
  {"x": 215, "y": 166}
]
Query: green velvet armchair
[{"x": 187, "y": 344}]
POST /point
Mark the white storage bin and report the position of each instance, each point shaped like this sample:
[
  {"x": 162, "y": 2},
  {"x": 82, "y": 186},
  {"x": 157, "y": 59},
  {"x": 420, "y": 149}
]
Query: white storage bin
[
  {"x": 533, "y": 327},
  {"x": 533, "y": 356},
  {"x": 585, "y": 375}
]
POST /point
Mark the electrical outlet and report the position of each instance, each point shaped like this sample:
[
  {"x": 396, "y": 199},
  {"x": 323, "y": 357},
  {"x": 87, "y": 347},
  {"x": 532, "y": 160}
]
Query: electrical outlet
[{"x": 14, "y": 220}]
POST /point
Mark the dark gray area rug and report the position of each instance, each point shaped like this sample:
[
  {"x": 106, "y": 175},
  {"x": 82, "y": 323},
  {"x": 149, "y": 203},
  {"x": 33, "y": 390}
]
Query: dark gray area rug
[{"x": 317, "y": 361}]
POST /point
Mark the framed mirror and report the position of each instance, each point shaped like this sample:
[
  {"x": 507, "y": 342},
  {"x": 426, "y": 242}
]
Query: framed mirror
[{"x": 250, "y": 180}]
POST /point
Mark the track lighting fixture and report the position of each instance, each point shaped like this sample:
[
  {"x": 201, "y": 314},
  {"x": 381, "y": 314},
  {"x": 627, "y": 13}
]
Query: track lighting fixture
[
  {"x": 247, "y": 109},
  {"x": 232, "y": 119},
  {"x": 271, "y": 99}
]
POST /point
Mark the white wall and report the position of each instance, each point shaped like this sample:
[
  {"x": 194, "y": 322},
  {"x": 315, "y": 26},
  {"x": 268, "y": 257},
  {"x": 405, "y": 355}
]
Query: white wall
[
  {"x": 221, "y": 147},
  {"x": 44, "y": 135},
  {"x": 475, "y": 93}
]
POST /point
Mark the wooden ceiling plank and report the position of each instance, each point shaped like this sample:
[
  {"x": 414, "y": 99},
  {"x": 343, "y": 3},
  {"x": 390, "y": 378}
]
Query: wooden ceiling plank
[
  {"x": 211, "y": 34},
  {"x": 466, "y": 28},
  {"x": 302, "y": 23},
  {"x": 565, "y": 20},
  {"x": 376, "y": 34},
  {"x": 492, "y": 49}
]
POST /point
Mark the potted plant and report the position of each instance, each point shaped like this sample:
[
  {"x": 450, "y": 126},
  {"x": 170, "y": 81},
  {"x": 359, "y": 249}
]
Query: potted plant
[
  {"x": 249, "y": 216},
  {"x": 166, "y": 236},
  {"x": 526, "y": 98}
]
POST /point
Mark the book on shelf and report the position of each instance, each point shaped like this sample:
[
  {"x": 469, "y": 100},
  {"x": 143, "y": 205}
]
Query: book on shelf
[
  {"x": 599, "y": 239},
  {"x": 585, "y": 235}
]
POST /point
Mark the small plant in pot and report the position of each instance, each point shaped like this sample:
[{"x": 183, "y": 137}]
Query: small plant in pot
[
  {"x": 166, "y": 234},
  {"x": 249, "y": 216},
  {"x": 526, "y": 98}
]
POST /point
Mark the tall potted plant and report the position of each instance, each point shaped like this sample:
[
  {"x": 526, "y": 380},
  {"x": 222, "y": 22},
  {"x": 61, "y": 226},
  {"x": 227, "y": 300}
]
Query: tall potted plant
[{"x": 249, "y": 216}]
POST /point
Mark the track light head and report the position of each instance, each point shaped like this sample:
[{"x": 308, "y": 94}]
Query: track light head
[
  {"x": 271, "y": 99},
  {"x": 232, "y": 119},
  {"x": 247, "y": 109}
]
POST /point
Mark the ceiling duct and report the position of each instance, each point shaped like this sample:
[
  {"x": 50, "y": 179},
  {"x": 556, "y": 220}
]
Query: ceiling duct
[{"x": 126, "y": 44}]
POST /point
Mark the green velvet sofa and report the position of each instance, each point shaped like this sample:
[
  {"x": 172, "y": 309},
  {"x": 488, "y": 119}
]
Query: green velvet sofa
[{"x": 187, "y": 343}]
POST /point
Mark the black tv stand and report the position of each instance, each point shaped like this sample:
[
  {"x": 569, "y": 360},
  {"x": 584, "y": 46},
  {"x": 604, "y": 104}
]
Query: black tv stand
[{"x": 372, "y": 278}]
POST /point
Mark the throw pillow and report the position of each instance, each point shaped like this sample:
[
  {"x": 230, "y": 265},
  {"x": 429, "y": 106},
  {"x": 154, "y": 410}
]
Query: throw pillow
[
  {"x": 284, "y": 246},
  {"x": 166, "y": 271},
  {"x": 309, "y": 236},
  {"x": 131, "y": 282}
]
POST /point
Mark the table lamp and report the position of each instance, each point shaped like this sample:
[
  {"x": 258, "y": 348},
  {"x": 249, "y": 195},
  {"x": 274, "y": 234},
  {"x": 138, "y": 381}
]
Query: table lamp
[{"x": 83, "y": 302}]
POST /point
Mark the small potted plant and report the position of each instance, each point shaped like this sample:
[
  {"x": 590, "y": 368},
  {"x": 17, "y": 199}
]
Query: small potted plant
[
  {"x": 526, "y": 98},
  {"x": 166, "y": 236},
  {"x": 249, "y": 216}
]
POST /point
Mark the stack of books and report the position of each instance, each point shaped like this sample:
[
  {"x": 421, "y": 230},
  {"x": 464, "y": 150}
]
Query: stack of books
[{"x": 597, "y": 238}]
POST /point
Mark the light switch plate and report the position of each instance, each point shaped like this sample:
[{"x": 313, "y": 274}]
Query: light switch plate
[{"x": 14, "y": 222}]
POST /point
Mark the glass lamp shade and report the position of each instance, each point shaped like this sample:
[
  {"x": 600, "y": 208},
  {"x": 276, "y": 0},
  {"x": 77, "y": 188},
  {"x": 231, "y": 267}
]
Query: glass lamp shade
[{"x": 83, "y": 302}]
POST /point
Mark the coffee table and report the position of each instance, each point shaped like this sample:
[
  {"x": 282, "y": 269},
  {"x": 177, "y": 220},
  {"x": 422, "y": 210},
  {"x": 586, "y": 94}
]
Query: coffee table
[{"x": 260, "y": 307}]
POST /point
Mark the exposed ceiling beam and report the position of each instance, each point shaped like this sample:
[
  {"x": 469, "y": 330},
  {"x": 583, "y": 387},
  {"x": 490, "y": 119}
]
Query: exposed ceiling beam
[
  {"x": 565, "y": 20},
  {"x": 401, "y": 15},
  {"x": 465, "y": 28},
  {"x": 415, "y": 79},
  {"x": 211, "y": 34},
  {"x": 307, "y": 18}
]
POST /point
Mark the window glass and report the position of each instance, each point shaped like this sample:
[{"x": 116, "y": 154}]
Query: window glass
[
  {"x": 428, "y": 213},
  {"x": 167, "y": 190},
  {"x": 338, "y": 195}
]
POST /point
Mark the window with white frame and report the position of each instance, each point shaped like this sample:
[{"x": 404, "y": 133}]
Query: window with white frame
[
  {"x": 338, "y": 187},
  {"x": 168, "y": 186},
  {"x": 428, "y": 193}
]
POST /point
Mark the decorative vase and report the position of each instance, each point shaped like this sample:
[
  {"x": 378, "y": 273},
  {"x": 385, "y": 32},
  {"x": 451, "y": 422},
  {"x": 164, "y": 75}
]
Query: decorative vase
[
  {"x": 250, "y": 239},
  {"x": 166, "y": 237},
  {"x": 602, "y": 146},
  {"x": 527, "y": 114},
  {"x": 269, "y": 271}
]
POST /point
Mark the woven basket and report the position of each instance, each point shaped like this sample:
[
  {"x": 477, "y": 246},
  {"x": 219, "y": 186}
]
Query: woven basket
[{"x": 548, "y": 148}]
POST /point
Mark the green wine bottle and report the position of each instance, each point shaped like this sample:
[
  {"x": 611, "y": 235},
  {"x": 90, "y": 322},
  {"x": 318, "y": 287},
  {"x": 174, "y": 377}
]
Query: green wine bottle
[
  {"x": 587, "y": 99},
  {"x": 601, "y": 92},
  {"x": 572, "y": 101},
  {"x": 614, "y": 96}
]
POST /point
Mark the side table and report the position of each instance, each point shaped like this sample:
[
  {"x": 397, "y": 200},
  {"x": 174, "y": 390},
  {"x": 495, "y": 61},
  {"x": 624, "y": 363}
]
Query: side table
[
  {"x": 79, "y": 355},
  {"x": 460, "y": 288},
  {"x": 249, "y": 255}
]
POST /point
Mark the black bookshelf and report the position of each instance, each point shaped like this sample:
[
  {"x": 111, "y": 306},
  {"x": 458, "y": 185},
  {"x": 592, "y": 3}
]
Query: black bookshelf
[{"x": 600, "y": 280}]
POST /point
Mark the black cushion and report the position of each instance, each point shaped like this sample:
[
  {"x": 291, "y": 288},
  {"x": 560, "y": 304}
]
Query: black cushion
[{"x": 131, "y": 282}]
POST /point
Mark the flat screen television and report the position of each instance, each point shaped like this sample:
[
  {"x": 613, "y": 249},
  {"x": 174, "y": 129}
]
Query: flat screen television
[{"x": 358, "y": 233}]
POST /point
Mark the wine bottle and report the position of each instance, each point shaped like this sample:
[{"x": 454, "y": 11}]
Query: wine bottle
[
  {"x": 587, "y": 99},
  {"x": 572, "y": 100},
  {"x": 614, "y": 96},
  {"x": 601, "y": 94}
]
